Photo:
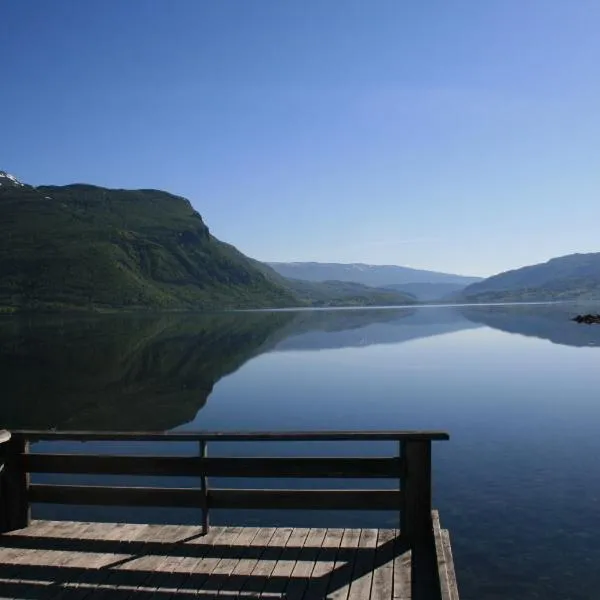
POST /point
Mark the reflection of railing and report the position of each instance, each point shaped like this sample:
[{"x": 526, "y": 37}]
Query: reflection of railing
[{"x": 411, "y": 466}]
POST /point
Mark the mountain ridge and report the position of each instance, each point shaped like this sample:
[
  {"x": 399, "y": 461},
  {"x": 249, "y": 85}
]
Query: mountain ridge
[
  {"x": 86, "y": 247},
  {"x": 424, "y": 285},
  {"x": 570, "y": 277}
]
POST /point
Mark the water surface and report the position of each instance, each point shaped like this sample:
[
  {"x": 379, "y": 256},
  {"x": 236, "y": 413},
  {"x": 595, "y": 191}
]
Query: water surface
[{"x": 517, "y": 388}]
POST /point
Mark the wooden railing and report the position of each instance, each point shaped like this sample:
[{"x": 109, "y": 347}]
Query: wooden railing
[{"x": 410, "y": 465}]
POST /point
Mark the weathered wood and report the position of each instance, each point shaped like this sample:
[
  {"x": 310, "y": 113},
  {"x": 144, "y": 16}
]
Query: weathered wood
[
  {"x": 229, "y": 562},
  {"x": 192, "y": 466},
  {"x": 302, "y": 571},
  {"x": 246, "y": 564},
  {"x": 402, "y": 575},
  {"x": 206, "y": 568},
  {"x": 416, "y": 485},
  {"x": 267, "y": 562},
  {"x": 14, "y": 486},
  {"x": 341, "y": 577},
  {"x": 283, "y": 569},
  {"x": 231, "y": 436},
  {"x": 441, "y": 558},
  {"x": 449, "y": 564},
  {"x": 222, "y": 573},
  {"x": 304, "y": 499},
  {"x": 325, "y": 563},
  {"x": 383, "y": 573},
  {"x": 186, "y": 566},
  {"x": 218, "y": 498},
  {"x": 136, "y": 572},
  {"x": 362, "y": 575},
  {"x": 204, "y": 488},
  {"x": 93, "y": 495}
]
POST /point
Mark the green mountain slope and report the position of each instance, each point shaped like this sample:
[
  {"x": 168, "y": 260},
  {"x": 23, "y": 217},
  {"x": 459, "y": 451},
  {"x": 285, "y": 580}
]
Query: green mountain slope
[
  {"x": 572, "y": 277},
  {"x": 87, "y": 247}
]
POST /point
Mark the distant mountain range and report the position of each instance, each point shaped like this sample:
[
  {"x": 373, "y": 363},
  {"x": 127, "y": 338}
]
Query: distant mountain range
[
  {"x": 572, "y": 277},
  {"x": 84, "y": 247},
  {"x": 373, "y": 275},
  {"x": 423, "y": 285}
]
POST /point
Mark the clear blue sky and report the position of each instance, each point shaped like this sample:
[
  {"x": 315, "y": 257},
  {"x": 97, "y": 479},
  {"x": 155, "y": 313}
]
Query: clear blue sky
[{"x": 460, "y": 136}]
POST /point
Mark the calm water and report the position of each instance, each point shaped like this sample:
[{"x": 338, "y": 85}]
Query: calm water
[{"x": 517, "y": 388}]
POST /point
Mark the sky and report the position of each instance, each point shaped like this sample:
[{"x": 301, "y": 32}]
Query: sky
[{"x": 457, "y": 136}]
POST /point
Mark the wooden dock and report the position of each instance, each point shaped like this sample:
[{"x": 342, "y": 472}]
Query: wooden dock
[{"x": 54, "y": 560}]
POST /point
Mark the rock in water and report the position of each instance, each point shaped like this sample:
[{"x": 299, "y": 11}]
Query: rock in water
[{"x": 588, "y": 319}]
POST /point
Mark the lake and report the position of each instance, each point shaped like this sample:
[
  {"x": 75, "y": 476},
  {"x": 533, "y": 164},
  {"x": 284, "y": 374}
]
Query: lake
[{"x": 517, "y": 388}]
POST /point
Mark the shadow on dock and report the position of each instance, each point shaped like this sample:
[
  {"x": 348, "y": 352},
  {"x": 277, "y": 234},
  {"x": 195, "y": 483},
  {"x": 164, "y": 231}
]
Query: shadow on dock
[{"x": 53, "y": 560}]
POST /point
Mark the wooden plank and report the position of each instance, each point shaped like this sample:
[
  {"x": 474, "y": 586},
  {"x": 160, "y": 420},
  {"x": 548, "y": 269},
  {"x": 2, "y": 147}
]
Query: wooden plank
[
  {"x": 245, "y": 565},
  {"x": 341, "y": 576},
  {"x": 183, "y": 573},
  {"x": 255, "y": 584},
  {"x": 134, "y": 571},
  {"x": 284, "y": 567},
  {"x": 204, "y": 571},
  {"x": 45, "y": 568},
  {"x": 302, "y": 571},
  {"x": 227, "y": 565},
  {"x": 93, "y": 495},
  {"x": 98, "y": 565},
  {"x": 231, "y": 436},
  {"x": 402, "y": 573},
  {"x": 49, "y": 565},
  {"x": 441, "y": 558},
  {"x": 383, "y": 572},
  {"x": 450, "y": 571},
  {"x": 217, "y": 498},
  {"x": 16, "y": 560},
  {"x": 324, "y": 565},
  {"x": 362, "y": 575},
  {"x": 305, "y": 499},
  {"x": 193, "y": 466}
]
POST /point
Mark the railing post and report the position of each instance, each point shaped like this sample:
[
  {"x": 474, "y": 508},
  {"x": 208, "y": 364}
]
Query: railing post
[
  {"x": 14, "y": 486},
  {"x": 417, "y": 519},
  {"x": 204, "y": 488}
]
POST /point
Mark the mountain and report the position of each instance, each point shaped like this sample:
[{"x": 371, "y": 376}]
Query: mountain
[
  {"x": 83, "y": 246},
  {"x": 371, "y": 275},
  {"x": 572, "y": 277},
  {"x": 9, "y": 181},
  {"x": 87, "y": 247},
  {"x": 345, "y": 293},
  {"x": 427, "y": 292}
]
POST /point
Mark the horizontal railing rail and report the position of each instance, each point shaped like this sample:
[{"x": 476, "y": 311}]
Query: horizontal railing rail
[
  {"x": 192, "y": 466},
  {"x": 231, "y": 436},
  {"x": 410, "y": 464}
]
